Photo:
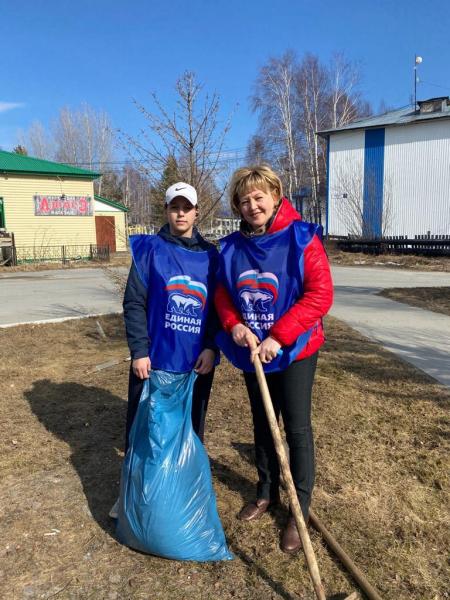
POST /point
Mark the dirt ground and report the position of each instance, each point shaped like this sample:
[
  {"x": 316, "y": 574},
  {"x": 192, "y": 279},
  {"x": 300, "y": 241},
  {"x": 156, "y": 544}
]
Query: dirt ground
[
  {"x": 337, "y": 257},
  {"x": 119, "y": 260},
  {"x": 435, "y": 299},
  {"x": 392, "y": 261},
  {"x": 381, "y": 430}
]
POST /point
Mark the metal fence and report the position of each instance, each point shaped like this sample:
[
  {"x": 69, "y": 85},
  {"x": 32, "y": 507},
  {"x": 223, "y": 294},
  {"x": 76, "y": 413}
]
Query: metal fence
[{"x": 65, "y": 255}]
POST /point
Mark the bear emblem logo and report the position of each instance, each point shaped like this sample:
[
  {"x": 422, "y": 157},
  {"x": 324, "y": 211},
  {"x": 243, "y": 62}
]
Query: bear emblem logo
[
  {"x": 186, "y": 297},
  {"x": 257, "y": 291}
]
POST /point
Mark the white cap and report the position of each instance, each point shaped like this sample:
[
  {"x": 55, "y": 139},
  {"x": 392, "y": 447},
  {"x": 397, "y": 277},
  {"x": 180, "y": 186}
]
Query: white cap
[{"x": 181, "y": 189}]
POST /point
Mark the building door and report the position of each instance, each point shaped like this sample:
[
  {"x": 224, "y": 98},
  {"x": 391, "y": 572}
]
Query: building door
[
  {"x": 105, "y": 229},
  {"x": 2, "y": 215}
]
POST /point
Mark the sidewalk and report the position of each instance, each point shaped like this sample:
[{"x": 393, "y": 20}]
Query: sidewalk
[
  {"x": 56, "y": 295},
  {"x": 418, "y": 336}
]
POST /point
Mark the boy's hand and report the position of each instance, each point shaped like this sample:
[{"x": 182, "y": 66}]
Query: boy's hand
[
  {"x": 205, "y": 362},
  {"x": 142, "y": 367}
]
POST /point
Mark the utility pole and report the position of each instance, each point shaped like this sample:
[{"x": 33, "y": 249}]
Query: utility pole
[
  {"x": 127, "y": 190},
  {"x": 417, "y": 61}
]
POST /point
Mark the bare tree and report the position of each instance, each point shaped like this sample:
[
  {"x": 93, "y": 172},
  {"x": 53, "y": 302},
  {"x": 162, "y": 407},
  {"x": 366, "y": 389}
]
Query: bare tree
[
  {"x": 135, "y": 195},
  {"x": 192, "y": 134},
  {"x": 295, "y": 99},
  {"x": 38, "y": 141},
  {"x": 357, "y": 204},
  {"x": 312, "y": 84},
  {"x": 68, "y": 138},
  {"x": 274, "y": 99},
  {"x": 346, "y": 197},
  {"x": 384, "y": 107},
  {"x": 346, "y": 102},
  {"x": 84, "y": 137}
]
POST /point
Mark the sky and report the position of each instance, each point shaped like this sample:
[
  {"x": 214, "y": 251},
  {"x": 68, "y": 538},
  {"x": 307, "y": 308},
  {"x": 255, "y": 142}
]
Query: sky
[{"x": 106, "y": 52}]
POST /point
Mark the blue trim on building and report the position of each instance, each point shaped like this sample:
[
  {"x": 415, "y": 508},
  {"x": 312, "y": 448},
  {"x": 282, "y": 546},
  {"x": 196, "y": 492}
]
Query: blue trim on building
[
  {"x": 328, "y": 186},
  {"x": 373, "y": 182}
]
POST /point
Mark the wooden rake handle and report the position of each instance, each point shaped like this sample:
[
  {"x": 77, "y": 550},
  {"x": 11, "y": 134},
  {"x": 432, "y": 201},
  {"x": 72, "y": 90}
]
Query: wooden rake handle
[
  {"x": 345, "y": 559},
  {"x": 286, "y": 471}
]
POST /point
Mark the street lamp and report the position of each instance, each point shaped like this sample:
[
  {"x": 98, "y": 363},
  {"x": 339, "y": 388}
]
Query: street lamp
[{"x": 417, "y": 61}]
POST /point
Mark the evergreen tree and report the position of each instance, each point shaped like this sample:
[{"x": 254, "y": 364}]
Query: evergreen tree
[
  {"x": 170, "y": 175},
  {"x": 20, "y": 150},
  {"x": 109, "y": 186}
]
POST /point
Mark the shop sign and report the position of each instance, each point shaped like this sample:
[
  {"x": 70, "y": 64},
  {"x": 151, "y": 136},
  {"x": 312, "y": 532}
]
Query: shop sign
[{"x": 75, "y": 206}]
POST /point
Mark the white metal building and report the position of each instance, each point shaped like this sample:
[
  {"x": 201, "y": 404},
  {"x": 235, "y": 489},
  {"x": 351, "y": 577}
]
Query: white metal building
[
  {"x": 222, "y": 226},
  {"x": 389, "y": 175}
]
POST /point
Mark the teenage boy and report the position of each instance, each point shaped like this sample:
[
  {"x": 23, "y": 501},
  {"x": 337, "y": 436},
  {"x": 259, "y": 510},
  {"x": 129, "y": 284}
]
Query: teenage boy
[{"x": 169, "y": 316}]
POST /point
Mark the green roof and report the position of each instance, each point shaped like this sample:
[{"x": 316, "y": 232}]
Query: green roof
[
  {"x": 111, "y": 203},
  {"x": 10, "y": 162}
]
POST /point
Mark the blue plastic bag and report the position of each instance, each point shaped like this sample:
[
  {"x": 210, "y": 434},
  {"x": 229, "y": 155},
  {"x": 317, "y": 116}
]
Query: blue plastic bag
[{"x": 167, "y": 503}]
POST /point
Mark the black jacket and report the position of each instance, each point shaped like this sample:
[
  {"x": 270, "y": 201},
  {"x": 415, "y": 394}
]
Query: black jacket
[{"x": 135, "y": 301}]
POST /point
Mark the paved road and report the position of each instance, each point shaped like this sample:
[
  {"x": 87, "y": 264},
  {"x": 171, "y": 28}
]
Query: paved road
[
  {"x": 418, "y": 336},
  {"x": 49, "y": 296}
]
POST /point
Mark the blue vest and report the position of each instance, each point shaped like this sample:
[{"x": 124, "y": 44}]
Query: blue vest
[
  {"x": 179, "y": 283},
  {"x": 264, "y": 277}
]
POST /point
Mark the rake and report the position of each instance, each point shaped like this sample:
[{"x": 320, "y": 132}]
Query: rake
[{"x": 311, "y": 561}]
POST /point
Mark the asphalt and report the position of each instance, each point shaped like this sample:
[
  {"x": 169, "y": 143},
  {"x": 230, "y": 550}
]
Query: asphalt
[
  {"x": 56, "y": 295},
  {"x": 418, "y": 336}
]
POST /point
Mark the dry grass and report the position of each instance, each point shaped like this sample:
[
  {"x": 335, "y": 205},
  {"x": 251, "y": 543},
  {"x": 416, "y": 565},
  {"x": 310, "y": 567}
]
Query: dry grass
[
  {"x": 393, "y": 261},
  {"x": 380, "y": 429},
  {"x": 120, "y": 260},
  {"x": 435, "y": 299},
  {"x": 337, "y": 257}
]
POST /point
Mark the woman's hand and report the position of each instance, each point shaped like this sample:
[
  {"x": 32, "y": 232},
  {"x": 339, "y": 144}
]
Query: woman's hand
[
  {"x": 267, "y": 350},
  {"x": 244, "y": 337},
  {"x": 142, "y": 367},
  {"x": 205, "y": 362}
]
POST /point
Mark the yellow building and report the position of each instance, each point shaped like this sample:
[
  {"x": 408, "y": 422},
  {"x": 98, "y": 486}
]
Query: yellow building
[{"x": 46, "y": 204}]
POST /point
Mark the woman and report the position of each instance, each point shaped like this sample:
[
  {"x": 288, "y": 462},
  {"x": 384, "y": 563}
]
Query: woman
[{"x": 274, "y": 288}]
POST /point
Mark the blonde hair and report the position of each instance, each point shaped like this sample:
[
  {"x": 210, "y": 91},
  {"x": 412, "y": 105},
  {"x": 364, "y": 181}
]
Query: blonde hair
[{"x": 260, "y": 177}]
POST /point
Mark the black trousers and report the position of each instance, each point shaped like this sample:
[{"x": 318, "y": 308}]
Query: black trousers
[
  {"x": 202, "y": 390},
  {"x": 291, "y": 392}
]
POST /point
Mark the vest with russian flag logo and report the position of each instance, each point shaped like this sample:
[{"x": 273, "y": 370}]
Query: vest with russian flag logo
[
  {"x": 179, "y": 283},
  {"x": 264, "y": 277}
]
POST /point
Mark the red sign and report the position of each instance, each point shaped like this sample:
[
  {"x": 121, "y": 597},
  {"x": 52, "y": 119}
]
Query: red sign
[{"x": 74, "y": 206}]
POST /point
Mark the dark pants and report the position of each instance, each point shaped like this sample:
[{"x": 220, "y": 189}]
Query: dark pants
[
  {"x": 290, "y": 391},
  {"x": 200, "y": 398}
]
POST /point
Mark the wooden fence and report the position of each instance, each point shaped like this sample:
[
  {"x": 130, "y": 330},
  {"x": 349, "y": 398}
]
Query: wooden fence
[{"x": 429, "y": 245}]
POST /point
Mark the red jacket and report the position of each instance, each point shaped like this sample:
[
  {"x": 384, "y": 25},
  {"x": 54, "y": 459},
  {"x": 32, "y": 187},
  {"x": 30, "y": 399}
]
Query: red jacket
[{"x": 308, "y": 311}]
